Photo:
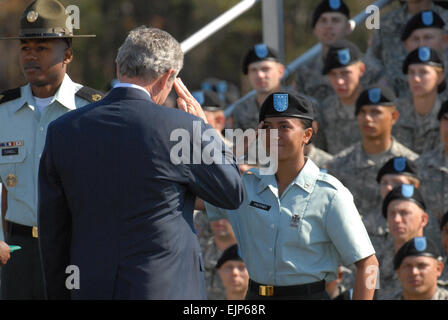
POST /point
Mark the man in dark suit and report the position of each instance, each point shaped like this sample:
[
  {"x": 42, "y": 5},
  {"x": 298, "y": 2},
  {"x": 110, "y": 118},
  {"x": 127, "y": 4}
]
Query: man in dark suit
[{"x": 113, "y": 205}]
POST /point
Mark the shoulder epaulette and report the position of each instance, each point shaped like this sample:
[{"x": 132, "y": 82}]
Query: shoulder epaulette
[
  {"x": 90, "y": 94},
  {"x": 10, "y": 95},
  {"x": 329, "y": 179}
]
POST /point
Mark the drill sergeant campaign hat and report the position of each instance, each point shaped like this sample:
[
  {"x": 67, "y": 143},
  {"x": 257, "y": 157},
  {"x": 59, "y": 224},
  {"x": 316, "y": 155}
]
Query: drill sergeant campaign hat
[
  {"x": 403, "y": 192},
  {"x": 418, "y": 246},
  {"x": 342, "y": 53},
  {"x": 209, "y": 100},
  {"x": 231, "y": 253},
  {"x": 330, "y": 6},
  {"x": 443, "y": 110},
  {"x": 423, "y": 19},
  {"x": 398, "y": 165},
  {"x": 378, "y": 95},
  {"x": 259, "y": 52},
  {"x": 46, "y": 19},
  {"x": 281, "y": 104}
]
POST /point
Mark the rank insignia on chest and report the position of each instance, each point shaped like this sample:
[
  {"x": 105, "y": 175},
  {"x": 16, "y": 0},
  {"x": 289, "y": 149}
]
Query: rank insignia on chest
[
  {"x": 19, "y": 143},
  {"x": 295, "y": 220}
]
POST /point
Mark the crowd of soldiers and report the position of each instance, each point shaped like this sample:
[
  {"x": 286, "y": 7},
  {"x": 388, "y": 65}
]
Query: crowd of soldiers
[{"x": 403, "y": 141}]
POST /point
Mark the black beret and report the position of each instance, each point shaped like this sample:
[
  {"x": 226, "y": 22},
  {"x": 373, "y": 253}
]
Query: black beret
[
  {"x": 259, "y": 52},
  {"x": 444, "y": 220},
  {"x": 403, "y": 192},
  {"x": 418, "y": 246},
  {"x": 398, "y": 165},
  {"x": 341, "y": 54},
  {"x": 422, "y": 55},
  {"x": 423, "y": 19},
  {"x": 231, "y": 253},
  {"x": 428, "y": 56},
  {"x": 208, "y": 99},
  {"x": 330, "y": 6},
  {"x": 443, "y": 110},
  {"x": 375, "y": 95},
  {"x": 282, "y": 104}
]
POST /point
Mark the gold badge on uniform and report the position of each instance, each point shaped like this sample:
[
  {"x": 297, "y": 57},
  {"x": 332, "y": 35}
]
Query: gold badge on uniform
[
  {"x": 96, "y": 97},
  {"x": 11, "y": 180},
  {"x": 32, "y": 16},
  {"x": 1, "y": 96}
]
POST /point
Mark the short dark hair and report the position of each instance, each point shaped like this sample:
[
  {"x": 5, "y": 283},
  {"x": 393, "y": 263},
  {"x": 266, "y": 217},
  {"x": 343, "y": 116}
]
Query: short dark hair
[{"x": 307, "y": 123}]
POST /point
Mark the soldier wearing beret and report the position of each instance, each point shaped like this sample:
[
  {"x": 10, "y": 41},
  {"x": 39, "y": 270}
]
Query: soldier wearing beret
[
  {"x": 433, "y": 171},
  {"x": 25, "y": 112},
  {"x": 297, "y": 225},
  {"x": 404, "y": 210},
  {"x": 233, "y": 273},
  {"x": 387, "y": 51},
  {"x": 418, "y": 128},
  {"x": 395, "y": 172},
  {"x": 426, "y": 28},
  {"x": 344, "y": 68},
  {"x": 330, "y": 23},
  {"x": 418, "y": 265},
  {"x": 357, "y": 166},
  {"x": 264, "y": 70}
]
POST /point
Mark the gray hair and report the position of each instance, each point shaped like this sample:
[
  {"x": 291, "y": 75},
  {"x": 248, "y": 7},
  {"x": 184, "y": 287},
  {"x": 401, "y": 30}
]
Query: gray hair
[{"x": 148, "y": 53}]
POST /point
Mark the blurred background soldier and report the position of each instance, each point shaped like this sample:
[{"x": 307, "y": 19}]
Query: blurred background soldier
[
  {"x": 418, "y": 265},
  {"x": 344, "y": 69},
  {"x": 233, "y": 273},
  {"x": 404, "y": 210},
  {"x": 418, "y": 128}
]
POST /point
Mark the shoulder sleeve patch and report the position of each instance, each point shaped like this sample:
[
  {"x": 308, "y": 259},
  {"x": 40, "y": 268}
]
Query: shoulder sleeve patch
[
  {"x": 10, "y": 95},
  {"x": 90, "y": 94}
]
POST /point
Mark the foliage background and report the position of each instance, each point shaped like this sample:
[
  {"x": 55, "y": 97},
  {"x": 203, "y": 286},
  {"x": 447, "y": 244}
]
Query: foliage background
[{"x": 219, "y": 56}]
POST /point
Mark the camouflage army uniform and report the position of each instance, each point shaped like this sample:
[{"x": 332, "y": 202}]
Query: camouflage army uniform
[
  {"x": 310, "y": 80},
  {"x": 418, "y": 133},
  {"x": 389, "y": 283},
  {"x": 319, "y": 157},
  {"x": 357, "y": 171},
  {"x": 433, "y": 172},
  {"x": 387, "y": 51},
  {"x": 210, "y": 255},
  {"x": 338, "y": 125},
  {"x": 441, "y": 294}
]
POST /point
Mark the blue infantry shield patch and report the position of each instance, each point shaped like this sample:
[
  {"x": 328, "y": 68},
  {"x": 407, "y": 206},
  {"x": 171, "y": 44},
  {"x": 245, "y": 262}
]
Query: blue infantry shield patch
[
  {"x": 261, "y": 50},
  {"x": 344, "y": 56},
  {"x": 424, "y": 53},
  {"x": 206, "y": 86},
  {"x": 407, "y": 190},
  {"x": 334, "y": 4},
  {"x": 280, "y": 102},
  {"x": 221, "y": 87},
  {"x": 399, "y": 164},
  {"x": 374, "y": 95},
  {"x": 199, "y": 96},
  {"x": 420, "y": 243},
  {"x": 427, "y": 18}
]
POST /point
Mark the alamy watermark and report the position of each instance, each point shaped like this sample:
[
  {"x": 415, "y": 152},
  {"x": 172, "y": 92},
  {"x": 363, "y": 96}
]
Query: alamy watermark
[{"x": 206, "y": 147}]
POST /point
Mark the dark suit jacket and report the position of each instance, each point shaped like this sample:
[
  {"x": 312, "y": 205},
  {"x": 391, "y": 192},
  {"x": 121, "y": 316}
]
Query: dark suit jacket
[{"x": 112, "y": 203}]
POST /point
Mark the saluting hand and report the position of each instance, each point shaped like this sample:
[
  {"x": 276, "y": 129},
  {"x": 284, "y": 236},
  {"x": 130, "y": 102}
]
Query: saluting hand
[
  {"x": 187, "y": 102},
  {"x": 4, "y": 253}
]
